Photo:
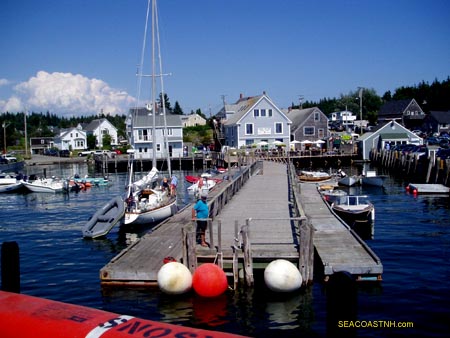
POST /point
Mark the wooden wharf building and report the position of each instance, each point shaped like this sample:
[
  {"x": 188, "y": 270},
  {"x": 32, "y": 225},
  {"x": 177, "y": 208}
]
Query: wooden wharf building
[{"x": 260, "y": 215}]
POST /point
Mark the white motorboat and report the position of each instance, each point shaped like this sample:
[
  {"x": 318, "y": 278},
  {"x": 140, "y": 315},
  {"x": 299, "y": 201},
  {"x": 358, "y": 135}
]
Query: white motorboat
[
  {"x": 101, "y": 223},
  {"x": 9, "y": 183},
  {"x": 371, "y": 178},
  {"x": 204, "y": 184},
  {"x": 357, "y": 212},
  {"x": 45, "y": 185}
]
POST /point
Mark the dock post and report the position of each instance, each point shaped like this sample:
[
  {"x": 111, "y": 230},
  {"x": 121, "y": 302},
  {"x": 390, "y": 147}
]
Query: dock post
[
  {"x": 10, "y": 267},
  {"x": 306, "y": 252},
  {"x": 248, "y": 260}
]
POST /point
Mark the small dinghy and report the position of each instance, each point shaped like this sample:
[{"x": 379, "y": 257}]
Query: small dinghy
[{"x": 104, "y": 219}]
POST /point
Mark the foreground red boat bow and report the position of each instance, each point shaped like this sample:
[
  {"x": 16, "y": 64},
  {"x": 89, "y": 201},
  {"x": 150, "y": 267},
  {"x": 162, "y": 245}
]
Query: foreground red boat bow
[{"x": 27, "y": 316}]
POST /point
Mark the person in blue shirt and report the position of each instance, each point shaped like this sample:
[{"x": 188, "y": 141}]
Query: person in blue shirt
[
  {"x": 173, "y": 185},
  {"x": 200, "y": 212}
]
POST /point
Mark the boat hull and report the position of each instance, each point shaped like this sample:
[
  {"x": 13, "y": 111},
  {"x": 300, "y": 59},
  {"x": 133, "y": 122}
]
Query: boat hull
[
  {"x": 348, "y": 181},
  {"x": 44, "y": 187},
  {"x": 377, "y": 181},
  {"x": 101, "y": 223},
  {"x": 152, "y": 216},
  {"x": 10, "y": 187}
]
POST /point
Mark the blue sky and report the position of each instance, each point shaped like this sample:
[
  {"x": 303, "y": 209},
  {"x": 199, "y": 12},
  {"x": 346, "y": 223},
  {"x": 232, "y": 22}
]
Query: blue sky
[{"x": 79, "y": 57}]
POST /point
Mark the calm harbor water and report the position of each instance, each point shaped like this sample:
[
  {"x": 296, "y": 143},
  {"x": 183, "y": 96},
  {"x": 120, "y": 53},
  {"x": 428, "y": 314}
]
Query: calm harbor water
[{"x": 412, "y": 239}]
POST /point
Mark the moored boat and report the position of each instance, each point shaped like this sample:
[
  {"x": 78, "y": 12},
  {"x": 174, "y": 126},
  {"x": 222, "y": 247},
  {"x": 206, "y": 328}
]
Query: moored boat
[
  {"x": 45, "y": 185},
  {"x": 314, "y": 176},
  {"x": 357, "y": 212},
  {"x": 101, "y": 223},
  {"x": 10, "y": 183},
  {"x": 331, "y": 195},
  {"x": 371, "y": 178}
]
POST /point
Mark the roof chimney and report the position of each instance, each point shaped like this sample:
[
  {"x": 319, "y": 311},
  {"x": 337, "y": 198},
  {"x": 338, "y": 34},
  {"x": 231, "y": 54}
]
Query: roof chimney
[
  {"x": 264, "y": 92},
  {"x": 241, "y": 96}
]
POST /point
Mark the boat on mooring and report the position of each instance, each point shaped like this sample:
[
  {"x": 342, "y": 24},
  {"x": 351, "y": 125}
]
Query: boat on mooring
[
  {"x": 357, "y": 212},
  {"x": 45, "y": 185},
  {"x": 10, "y": 183},
  {"x": 314, "y": 176},
  {"x": 371, "y": 178}
]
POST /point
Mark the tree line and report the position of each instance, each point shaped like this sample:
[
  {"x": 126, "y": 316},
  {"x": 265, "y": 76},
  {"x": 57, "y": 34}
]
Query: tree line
[{"x": 431, "y": 97}]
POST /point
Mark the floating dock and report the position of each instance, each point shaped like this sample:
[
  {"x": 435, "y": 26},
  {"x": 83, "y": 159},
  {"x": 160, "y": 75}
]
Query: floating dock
[
  {"x": 418, "y": 188},
  {"x": 339, "y": 247}
]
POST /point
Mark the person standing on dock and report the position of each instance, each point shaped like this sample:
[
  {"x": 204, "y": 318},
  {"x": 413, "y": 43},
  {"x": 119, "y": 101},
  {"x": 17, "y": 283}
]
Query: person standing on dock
[
  {"x": 173, "y": 185},
  {"x": 200, "y": 212}
]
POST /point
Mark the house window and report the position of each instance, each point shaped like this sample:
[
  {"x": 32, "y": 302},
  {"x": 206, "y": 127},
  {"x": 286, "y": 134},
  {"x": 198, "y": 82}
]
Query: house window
[
  {"x": 105, "y": 132},
  {"x": 316, "y": 116},
  {"x": 256, "y": 112},
  {"x": 278, "y": 128},
  {"x": 145, "y": 135},
  {"x": 270, "y": 112},
  {"x": 71, "y": 135},
  {"x": 140, "y": 136},
  {"x": 308, "y": 131},
  {"x": 249, "y": 129},
  {"x": 158, "y": 147},
  {"x": 169, "y": 131},
  {"x": 263, "y": 113},
  {"x": 249, "y": 142}
]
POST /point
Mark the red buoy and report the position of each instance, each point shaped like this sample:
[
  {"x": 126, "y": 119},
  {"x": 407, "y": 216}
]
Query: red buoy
[{"x": 209, "y": 280}]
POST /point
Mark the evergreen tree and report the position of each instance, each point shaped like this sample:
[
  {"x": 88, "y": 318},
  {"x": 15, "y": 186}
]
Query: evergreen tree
[{"x": 177, "y": 109}]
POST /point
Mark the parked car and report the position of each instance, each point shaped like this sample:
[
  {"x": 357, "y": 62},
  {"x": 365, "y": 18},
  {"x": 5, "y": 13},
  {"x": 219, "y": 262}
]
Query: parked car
[
  {"x": 443, "y": 153},
  {"x": 444, "y": 143},
  {"x": 51, "y": 152},
  {"x": 432, "y": 141},
  {"x": 64, "y": 153},
  {"x": 8, "y": 158}
]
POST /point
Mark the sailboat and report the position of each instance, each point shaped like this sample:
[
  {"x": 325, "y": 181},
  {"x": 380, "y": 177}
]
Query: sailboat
[{"x": 145, "y": 202}]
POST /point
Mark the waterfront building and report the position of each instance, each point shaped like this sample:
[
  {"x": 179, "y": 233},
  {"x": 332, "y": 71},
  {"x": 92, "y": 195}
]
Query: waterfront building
[
  {"x": 407, "y": 112},
  {"x": 140, "y": 129},
  {"x": 309, "y": 124},
  {"x": 99, "y": 128},
  {"x": 390, "y": 132},
  {"x": 437, "y": 122},
  {"x": 253, "y": 120},
  {"x": 71, "y": 139}
]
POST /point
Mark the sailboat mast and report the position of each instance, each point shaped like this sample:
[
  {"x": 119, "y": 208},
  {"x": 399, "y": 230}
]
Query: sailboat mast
[
  {"x": 163, "y": 101},
  {"x": 154, "y": 105}
]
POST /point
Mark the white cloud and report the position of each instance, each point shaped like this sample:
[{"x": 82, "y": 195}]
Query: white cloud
[
  {"x": 4, "y": 82},
  {"x": 67, "y": 94}
]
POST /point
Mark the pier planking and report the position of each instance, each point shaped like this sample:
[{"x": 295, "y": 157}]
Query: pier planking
[{"x": 339, "y": 248}]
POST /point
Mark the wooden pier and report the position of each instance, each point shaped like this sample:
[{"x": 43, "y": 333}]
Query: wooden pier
[
  {"x": 338, "y": 246},
  {"x": 257, "y": 217}
]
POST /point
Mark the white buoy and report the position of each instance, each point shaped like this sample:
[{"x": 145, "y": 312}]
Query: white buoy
[
  {"x": 282, "y": 276},
  {"x": 174, "y": 278}
]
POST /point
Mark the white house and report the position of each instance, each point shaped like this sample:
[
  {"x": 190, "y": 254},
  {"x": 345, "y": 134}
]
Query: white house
[
  {"x": 99, "y": 128},
  {"x": 71, "y": 139},
  {"x": 344, "y": 118},
  {"x": 192, "y": 120},
  {"x": 140, "y": 132},
  {"x": 252, "y": 120}
]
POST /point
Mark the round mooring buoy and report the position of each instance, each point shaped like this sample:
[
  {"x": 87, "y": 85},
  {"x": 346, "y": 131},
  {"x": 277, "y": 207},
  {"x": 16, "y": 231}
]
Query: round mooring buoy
[
  {"x": 174, "y": 278},
  {"x": 282, "y": 276},
  {"x": 209, "y": 280}
]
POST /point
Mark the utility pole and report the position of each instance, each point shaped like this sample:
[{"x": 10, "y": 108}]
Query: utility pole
[
  {"x": 26, "y": 136},
  {"x": 4, "y": 125},
  {"x": 300, "y": 101},
  {"x": 360, "y": 109}
]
